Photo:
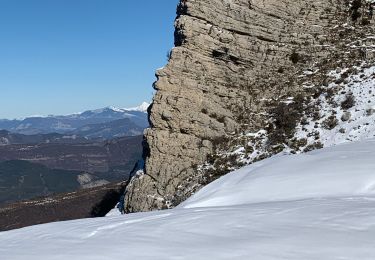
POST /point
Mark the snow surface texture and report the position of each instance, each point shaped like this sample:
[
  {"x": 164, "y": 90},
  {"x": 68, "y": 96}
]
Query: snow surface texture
[{"x": 319, "y": 205}]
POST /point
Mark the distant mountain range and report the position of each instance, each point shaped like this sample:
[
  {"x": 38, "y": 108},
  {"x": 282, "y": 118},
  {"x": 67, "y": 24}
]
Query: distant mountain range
[
  {"x": 7, "y": 138},
  {"x": 40, "y": 156},
  {"x": 111, "y": 129},
  {"x": 103, "y": 123}
]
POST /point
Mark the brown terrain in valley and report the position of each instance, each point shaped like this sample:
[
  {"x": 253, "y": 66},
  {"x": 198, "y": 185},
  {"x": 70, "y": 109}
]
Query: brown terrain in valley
[
  {"x": 93, "y": 157},
  {"x": 86, "y": 203}
]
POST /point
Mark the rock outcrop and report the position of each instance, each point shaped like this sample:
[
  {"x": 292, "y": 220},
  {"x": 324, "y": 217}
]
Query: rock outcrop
[{"x": 234, "y": 62}]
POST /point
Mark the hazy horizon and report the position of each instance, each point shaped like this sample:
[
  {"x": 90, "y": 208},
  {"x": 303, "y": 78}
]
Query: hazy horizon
[
  {"x": 67, "y": 57},
  {"x": 67, "y": 114}
]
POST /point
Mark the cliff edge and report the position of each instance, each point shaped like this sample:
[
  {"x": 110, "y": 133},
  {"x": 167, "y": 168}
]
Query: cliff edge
[{"x": 243, "y": 74}]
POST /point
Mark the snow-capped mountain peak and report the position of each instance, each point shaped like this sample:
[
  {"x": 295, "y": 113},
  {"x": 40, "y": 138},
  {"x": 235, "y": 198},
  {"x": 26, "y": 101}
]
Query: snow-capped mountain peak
[
  {"x": 104, "y": 109},
  {"x": 141, "y": 108},
  {"x": 66, "y": 123},
  {"x": 116, "y": 109}
]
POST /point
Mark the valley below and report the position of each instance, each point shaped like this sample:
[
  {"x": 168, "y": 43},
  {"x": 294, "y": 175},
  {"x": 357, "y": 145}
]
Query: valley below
[{"x": 43, "y": 171}]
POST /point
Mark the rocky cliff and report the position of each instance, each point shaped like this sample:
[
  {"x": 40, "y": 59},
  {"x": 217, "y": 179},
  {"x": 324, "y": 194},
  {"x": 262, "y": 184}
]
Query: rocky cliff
[{"x": 242, "y": 76}]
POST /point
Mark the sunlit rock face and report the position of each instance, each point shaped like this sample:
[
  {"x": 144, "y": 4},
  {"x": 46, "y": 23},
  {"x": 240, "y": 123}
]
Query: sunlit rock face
[{"x": 233, "y": 61}]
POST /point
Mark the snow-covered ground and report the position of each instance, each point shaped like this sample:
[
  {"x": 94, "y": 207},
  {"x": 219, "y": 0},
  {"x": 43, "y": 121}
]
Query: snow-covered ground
[
  {"x": 319, "y": 205},
  {"x": 352, "y": 124}
]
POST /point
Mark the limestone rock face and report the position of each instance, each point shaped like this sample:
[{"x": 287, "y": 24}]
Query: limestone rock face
[{"x": 231, "y": 58}]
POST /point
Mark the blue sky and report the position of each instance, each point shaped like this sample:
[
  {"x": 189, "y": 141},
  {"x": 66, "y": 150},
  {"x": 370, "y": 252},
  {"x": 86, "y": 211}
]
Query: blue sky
[{"x": 65, "y": 56}]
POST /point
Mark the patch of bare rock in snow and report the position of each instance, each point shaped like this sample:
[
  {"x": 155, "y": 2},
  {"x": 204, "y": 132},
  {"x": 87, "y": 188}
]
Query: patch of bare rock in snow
[{"x": 347, "y": 109}]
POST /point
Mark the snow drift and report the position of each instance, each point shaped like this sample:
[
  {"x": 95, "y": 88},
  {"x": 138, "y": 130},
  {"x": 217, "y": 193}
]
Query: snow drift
[
  {"x": 344, "y": 170},
  {"x": 319, "y": 205}
]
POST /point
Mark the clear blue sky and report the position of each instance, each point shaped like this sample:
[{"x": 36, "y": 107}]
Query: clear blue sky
[{"x": 65, "y": 56}]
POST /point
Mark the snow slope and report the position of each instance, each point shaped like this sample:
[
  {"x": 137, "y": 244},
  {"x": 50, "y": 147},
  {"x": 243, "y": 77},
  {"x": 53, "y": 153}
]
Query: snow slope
[
  {"x": 319, "y": 205},
  {"x": 360, "y": 123}
]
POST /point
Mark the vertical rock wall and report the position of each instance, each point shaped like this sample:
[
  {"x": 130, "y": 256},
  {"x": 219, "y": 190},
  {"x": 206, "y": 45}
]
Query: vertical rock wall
[{"x": 231, "y": 56}]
